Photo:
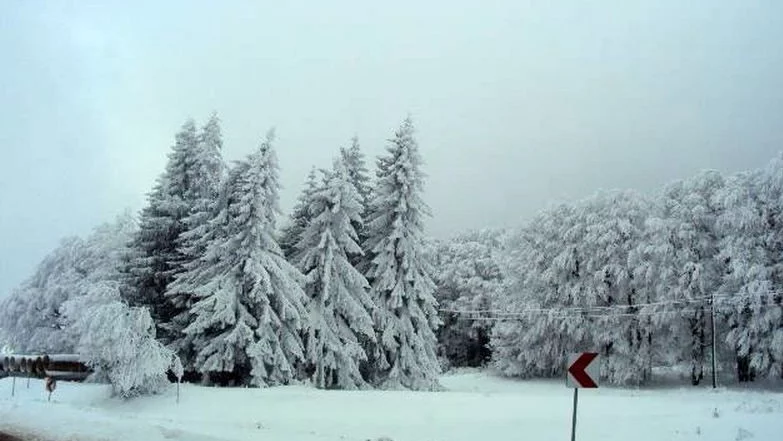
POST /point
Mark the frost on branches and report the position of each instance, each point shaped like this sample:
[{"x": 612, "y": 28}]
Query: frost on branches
[
  {"x": 752, "y": 256},
  {"x": 468, "y": 278},
  {"x": 635, "y": 279},
  {"x": 401, "y": 285},
  {"x": 569, "y": 289},
  {"x": 340, "y": 307},
  {"x": 31, "y": 319},
  {"x": 118, "y": 342},
  {"x": 180, "y": 201},
  {"x": 251, "y": 307},
  {"x": 77, "y": 288},
  {"x": 676, "y": 261}
]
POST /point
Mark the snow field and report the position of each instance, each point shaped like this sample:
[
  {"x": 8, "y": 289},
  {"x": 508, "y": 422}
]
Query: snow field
[{"x": 477, "y": 406}]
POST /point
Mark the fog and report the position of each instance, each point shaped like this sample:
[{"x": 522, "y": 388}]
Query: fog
[{"x": 518, "y": 104}]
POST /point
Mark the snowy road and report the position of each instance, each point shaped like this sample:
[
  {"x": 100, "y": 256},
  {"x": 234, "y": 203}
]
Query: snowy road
[{"x": 477, "y": 406}]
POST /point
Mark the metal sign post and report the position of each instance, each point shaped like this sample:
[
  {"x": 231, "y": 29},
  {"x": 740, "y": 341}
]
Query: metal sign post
[
  {"x": 573, "y": 417},
  {"x": 581, "y": 371}
]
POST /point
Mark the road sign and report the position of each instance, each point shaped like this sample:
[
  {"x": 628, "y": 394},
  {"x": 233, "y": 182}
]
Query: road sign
[{"x": 583, "y": 370}]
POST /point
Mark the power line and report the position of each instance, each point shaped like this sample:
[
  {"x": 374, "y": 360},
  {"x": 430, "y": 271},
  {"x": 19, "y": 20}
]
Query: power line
[
  {"x": 595, "y": 311},
  {"x": 556, "y": 315}
]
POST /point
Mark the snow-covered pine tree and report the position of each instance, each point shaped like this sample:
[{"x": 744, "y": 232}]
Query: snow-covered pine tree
[
  {"x": 155, "y": 257},
  {"x": 340, "y": 308},
  {"x": 356, "y": 165},
  {"x": 205, "y": 174},
  {"x": 402, "y": 288},
  {"x": 291, "y": 233},
  {"x": 251, "y": 305}
]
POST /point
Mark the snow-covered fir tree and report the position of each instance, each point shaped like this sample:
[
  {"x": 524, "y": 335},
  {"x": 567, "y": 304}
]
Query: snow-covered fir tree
[
  {"x": 291, "y": 233},
  {"x": 340, "y": 308},
  {"x": 204, "y": 175},
  {"x": 155, "y": 255},
  {"x": 356, "y": 166},
  {"x": 401, "y": 283},
  {"x": 251, "y": 305}
]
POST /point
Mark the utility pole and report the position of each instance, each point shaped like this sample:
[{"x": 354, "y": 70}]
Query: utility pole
[{"x": 714, "y": 362}]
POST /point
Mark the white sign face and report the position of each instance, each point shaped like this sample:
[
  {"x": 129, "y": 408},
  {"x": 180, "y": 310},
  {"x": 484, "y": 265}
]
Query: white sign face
[{"x": 583, "y": 370}]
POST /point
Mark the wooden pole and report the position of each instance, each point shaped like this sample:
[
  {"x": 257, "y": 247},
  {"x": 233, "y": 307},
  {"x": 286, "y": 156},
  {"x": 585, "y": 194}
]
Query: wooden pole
[{"x": 13, "y": 386}]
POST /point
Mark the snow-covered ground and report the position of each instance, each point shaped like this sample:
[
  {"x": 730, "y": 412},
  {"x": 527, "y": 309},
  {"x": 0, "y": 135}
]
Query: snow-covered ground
[{"x": 476, "y": 407}]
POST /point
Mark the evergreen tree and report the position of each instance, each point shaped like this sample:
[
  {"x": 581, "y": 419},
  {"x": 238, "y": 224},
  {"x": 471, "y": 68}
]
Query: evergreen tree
[
  {"x": 251, "y": 306},
  {"x": 299, "y": 219},
  {"x": 401, "y": 284},
  {"x": 340, "y": 307},
  {"x": 356, "y": 166},
  {"x": 205, "y": 174},
  {"x": 155, "y": 257}
]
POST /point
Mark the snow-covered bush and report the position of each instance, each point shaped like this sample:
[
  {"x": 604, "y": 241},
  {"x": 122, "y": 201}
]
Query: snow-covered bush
[{"x": 118, "y": 342}]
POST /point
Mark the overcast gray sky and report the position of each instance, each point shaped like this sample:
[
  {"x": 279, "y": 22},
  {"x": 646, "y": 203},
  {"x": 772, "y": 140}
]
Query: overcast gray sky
[{"x": 517, "y": 103}]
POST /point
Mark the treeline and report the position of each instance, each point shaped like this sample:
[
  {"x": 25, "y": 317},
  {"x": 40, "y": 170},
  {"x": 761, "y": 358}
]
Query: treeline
[
  {"x": 628, "y": 275},
  {"x": 341, "y": 295},
  {"x": 207, "y": 282}
]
